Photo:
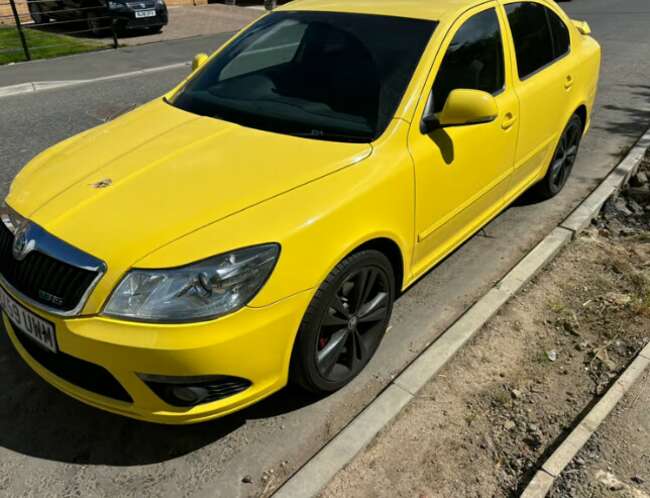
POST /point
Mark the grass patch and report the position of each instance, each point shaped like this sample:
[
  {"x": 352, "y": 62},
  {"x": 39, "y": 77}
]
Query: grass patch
[{"x": 42, "y": 45}]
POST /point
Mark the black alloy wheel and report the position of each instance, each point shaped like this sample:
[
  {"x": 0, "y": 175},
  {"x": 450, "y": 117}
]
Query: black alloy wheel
[
  {"x": 563, "y": 160},
  {"x": 344, "y": 323}
]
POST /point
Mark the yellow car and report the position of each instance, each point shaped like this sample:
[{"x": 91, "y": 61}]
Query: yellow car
[{"x": 254, "y": 226}]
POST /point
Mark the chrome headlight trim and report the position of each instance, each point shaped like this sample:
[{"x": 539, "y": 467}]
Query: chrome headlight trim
[{"x": 197, "y": 292}]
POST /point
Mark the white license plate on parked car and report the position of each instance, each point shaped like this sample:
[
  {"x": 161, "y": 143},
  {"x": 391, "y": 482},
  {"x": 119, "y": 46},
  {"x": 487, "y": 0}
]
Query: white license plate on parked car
[
  {"x": 35, "y": 327},
  {"x": 145, "y": 13}
]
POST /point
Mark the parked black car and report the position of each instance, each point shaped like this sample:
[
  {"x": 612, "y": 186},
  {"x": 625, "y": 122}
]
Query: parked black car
[{"x": 100, "y": 15}]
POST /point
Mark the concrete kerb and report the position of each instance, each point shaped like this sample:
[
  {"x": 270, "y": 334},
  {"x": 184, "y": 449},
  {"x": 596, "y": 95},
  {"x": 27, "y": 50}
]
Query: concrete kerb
[
  {"x": 580, "y": 219},
  {"x": 309, "y": 480},
  {"x": 540, "y": 485}
]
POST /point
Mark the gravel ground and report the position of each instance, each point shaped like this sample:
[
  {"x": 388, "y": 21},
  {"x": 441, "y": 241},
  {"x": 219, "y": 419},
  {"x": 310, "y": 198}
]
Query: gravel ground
[
  {"x": 486, "y": 423},
  {"x": 616, "y": 460}
]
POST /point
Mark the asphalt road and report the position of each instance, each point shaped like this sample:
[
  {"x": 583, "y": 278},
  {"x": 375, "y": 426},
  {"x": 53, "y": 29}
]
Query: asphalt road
[{"x": 52, "y": 445}]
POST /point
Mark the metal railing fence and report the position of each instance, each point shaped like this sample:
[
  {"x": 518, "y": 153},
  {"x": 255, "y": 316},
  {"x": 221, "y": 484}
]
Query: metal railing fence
[{"x": 47, "y": 16}]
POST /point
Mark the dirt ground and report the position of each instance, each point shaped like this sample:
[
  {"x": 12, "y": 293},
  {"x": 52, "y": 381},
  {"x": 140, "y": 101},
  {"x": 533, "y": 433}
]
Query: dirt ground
[
  {"x": 616, "y": 460},
  {"x": 492, "y": 416}
]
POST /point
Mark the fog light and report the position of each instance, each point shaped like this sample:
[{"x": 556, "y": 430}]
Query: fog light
[
  {"x": 191, "y": 395},
  {"x": 192, "y": 391}
]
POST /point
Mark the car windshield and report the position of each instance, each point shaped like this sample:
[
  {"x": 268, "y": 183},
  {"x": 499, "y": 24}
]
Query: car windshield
[{"x": 330, "y": 76}]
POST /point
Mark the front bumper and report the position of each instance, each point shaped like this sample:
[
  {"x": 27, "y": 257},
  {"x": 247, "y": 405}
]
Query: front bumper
[
  {"x": 125, "y": 18},
  {"x": 253, "y": 343}
]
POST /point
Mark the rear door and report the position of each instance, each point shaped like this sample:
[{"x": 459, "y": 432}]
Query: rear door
[
  {"x": 543, "y": 81},
  {"x": 462, "y": 172}
]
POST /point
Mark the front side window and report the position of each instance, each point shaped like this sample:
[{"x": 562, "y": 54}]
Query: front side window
[
  {"x": 323, "y": 75},
  {"x": 539, "y": 35},
  {"x": 474, "y": 59}
]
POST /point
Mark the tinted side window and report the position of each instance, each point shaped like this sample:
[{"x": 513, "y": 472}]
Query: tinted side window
[
  {"x": 474, "y": 59},
  {"x": 532, "y": 36},
  {"x": 560, "y": 34}
]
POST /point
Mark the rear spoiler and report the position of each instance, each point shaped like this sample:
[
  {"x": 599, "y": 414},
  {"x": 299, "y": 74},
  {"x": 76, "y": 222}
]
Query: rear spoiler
[{"x": 583, "y": 27}]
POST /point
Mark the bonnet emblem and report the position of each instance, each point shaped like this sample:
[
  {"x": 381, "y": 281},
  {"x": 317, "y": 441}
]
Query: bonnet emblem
[
  {"x": 21, "y": 246},
  {"x": 106, "y": 182}
]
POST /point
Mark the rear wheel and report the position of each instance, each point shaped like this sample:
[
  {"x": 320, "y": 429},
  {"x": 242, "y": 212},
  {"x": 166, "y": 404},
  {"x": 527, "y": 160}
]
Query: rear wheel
[
  {"x": 345, "y": 322},
  {"x": 562, "y": 164},
  {"x": 36, "y": 13}
]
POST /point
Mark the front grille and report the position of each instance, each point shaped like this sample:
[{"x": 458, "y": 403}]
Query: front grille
[
  {"x": 79, "y": 372},
  {"x": 42, "y": 278},
  {"x": 145, "y": 4}
]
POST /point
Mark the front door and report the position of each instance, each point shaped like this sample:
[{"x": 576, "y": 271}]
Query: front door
[{"x": 462, "y": 173}]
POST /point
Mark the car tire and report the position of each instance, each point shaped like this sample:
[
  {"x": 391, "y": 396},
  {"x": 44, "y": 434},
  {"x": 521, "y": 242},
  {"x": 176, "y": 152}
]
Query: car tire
[
  {"x": 36, "y": 13},
  {"x": 344, "y": 323},
  {"x": 155, "y": 29},
  {"x": 563, "y": 160}
]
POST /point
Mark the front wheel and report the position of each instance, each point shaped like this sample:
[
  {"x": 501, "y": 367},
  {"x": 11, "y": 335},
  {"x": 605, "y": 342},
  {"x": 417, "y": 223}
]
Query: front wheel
[
  {"x": 345, "y": 322},
  {"x": 562, "y": 164}
]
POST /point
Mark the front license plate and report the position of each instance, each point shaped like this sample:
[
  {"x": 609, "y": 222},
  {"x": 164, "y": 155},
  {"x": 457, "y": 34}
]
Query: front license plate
[
  {"x": 145, "y": 13},
  {"x": 34, "y": 326}
]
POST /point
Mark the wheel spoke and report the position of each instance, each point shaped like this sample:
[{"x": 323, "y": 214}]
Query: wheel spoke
[
  {"x": 334, "y": 318},
  {"x": 370, "y": 285},
  {"x": 330, "y": 354},
  {"x": 359, "y": 347},
  {"x": 360, "y": 284},
  {"x": 556, "y": 170},
  {"x": 339, "y": 307},
  {"x": 571, "y": 153},
  {"x": 369, "y": 311}
]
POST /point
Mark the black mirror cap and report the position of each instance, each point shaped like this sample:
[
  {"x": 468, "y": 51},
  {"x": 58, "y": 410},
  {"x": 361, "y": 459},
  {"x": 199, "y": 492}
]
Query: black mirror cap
[{"x": 429, "y": 123}]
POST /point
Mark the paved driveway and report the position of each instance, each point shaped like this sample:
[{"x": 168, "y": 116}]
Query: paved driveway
[{"x": 185, "y": 22}]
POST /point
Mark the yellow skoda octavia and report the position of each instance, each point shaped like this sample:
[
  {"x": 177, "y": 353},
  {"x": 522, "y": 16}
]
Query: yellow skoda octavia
[{"x": 254, "y": 226}]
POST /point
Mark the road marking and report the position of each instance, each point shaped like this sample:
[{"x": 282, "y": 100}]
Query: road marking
[{"x": 39, "y": 86}]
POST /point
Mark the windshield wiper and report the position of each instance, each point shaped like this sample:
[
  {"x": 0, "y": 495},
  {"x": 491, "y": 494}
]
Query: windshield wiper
[{"x": 326, "y": 135}]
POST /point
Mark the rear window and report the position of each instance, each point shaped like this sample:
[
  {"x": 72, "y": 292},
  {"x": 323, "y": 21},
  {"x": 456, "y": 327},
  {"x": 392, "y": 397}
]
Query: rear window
[
  {"x": 540, "y": 36},
  {"x": 322, "y": 75},
  {"x": 560, "y": 34}
]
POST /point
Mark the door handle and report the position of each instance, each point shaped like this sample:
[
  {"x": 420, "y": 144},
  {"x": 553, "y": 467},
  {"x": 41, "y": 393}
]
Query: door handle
[
  {"x": 568, "y": 82},
  {"x": 508, "y": 120}
]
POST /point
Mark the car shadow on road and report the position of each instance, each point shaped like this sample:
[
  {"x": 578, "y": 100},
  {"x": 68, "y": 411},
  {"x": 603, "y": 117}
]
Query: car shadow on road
[
  {"x": 39, "y": 421},
  {"x": 629, "y": 121}
]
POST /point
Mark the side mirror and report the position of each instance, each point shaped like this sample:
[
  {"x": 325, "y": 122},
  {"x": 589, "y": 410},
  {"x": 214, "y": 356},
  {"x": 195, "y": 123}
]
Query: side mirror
[
  {"x": 463, "y": 107},
  {"x": 199, "y": 60}
]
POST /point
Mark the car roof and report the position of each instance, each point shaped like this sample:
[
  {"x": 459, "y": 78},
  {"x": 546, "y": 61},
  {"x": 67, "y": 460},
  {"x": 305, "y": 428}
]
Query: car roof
[{"x": 418, "y": 9}]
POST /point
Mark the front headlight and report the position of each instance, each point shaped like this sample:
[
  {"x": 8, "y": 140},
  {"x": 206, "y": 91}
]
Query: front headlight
[{"x": 201, "y": 291}]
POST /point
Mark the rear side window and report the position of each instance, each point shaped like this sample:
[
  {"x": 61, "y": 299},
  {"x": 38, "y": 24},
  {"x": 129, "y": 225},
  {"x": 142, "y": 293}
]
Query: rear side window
[
  {"x": 474, "y": 59},
  {"x": 560, "y": 34},
  {"x": 540, "y": 36}
]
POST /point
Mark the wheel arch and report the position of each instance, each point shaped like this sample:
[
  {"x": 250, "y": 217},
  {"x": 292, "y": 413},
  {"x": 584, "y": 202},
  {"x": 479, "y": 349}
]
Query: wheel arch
[
  {"x": 581, "y": 111},
  {"x": 391, "y": 249}
]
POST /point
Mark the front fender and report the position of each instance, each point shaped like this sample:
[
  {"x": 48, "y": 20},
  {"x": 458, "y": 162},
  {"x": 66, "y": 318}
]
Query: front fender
[{"x": 317, "y": 224}]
